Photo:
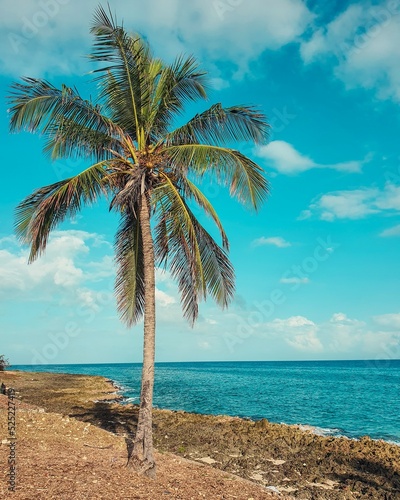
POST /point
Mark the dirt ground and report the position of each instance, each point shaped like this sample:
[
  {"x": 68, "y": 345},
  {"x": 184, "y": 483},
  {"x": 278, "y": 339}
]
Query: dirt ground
[{"x": 284, "y": 459}]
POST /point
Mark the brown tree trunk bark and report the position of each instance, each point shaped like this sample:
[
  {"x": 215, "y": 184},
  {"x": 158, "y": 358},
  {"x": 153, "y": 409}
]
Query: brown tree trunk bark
[{"x": 142, "y": 458}]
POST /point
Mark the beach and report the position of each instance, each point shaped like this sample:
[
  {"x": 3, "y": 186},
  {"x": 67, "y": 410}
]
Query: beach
[{"x": 73, "y": 440}]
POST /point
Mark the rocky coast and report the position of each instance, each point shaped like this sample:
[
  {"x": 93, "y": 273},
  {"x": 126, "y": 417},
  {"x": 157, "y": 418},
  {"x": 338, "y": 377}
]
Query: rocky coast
[{"x": 76, "y": 433}]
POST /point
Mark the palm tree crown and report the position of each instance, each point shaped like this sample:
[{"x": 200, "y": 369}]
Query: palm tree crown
[{"x": 145, "y": 166}]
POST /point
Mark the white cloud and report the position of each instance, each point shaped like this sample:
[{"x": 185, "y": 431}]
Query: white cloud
[
  {"x": 284, "y": 158},
  {"x": 58, "y": 268},
  {"x": 88, "y": 299},
  {"x": 391, "y": 321},
  {"x": 338, "y": 317},
  {"x": 274, "y": 240},
  {"x": 305, "y": 214},
  {"x": 334, "y": 38},
  {"x": 212, "y": 29},
  {"x": 294, "y": 281},
  {"x": 389, "y": 199},
  {"x": 356, "y": 204},
  {"x": 100, "y": 269},
  {"x": 342, "y": 318},
  {"x": 162, "y": 276},
  {"x": 204, "y": 345},
  {"x": 163, "y": 299},
  {"x": 338, "y": 337},
  {"x": 362, "y": 43},
  {"x": 55, "y": 267},
  {"x": 381, "y": 344},
  {"x": 210, "y": 321},
  {"x": 343, "y": 334},
  {"x": 280, "y": 325},
  {"x": 347, "y": 204},
  {"x": 391, "y": 231},
  {"x": 298, "y": 332}
]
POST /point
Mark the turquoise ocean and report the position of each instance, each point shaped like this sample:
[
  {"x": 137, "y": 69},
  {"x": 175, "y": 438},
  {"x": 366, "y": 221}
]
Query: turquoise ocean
[{"x": 340, "y": 398}]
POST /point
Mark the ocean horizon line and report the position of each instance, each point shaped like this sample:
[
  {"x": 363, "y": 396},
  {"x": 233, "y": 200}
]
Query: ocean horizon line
[{"x": 380, "y": 360}]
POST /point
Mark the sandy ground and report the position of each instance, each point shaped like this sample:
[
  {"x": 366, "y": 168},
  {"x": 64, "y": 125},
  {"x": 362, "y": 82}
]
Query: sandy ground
[{"x": 59, "y": 457}]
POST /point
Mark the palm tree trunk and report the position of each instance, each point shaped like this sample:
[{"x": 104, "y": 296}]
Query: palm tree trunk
[{"x": 142, "y": 456}]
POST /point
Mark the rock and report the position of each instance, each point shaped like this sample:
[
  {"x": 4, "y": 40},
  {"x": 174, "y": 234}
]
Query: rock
[
  {"x": 208, "y": 460},
  {"x": 276, "y": 462},
  {"x": 289, "y": 489},
  {"x": 273, "y": 488}
]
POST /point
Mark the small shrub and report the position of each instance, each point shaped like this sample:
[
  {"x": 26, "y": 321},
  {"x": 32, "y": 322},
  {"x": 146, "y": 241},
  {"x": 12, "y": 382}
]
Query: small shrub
[{"x": 3, "y": 363}]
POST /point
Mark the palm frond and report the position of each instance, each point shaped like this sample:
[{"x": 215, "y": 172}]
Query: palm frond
[
  {"x": 48, "y": 206},
  {"x": 171, "y": 247},
  {"x": 227, "y": 166},
  {"x": 177, "y": 84},
  {"x": 129, "y": 283},
  {"x": 78, "y": 141},
  {"x": 176, "y": 244},
  {"x": 191, "y": 191},
  {"x": 38, "y": 106},
  {"x": 219, "y": 126},
  {"x": 124, "y": 79},
  {"x": 218, "y": 271},
  {"x": 182, "y": 244}
]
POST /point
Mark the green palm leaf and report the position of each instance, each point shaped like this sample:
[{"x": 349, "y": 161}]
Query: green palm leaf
[
  {"x": 191, "y": 191},
  {"x": 70, "y": 140},
  {"x": 47, "y": 207},
  {"x": 218, "y": 271},
  {"x": 129, "y": 284},
  {"x": 38, "y": 106},
  {"x": 220, "y": 125},
  {"x": 182, "y": 252},
  {"x": 197, "y": 263},
  {"x": 229, "y": 167},
  {"x": 125, "y": 87},
  {"x": 177, "y": 84}
]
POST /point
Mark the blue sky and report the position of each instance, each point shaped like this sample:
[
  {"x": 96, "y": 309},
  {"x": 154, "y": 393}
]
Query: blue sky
[{"x": 317, "y": 268}]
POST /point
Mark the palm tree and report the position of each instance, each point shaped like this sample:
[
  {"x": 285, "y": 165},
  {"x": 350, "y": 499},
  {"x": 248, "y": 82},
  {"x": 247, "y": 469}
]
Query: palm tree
[{"x": 148, "y": 170}]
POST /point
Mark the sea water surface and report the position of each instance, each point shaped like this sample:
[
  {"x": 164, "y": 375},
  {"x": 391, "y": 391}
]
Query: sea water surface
[{"x": 349, "y": 398}]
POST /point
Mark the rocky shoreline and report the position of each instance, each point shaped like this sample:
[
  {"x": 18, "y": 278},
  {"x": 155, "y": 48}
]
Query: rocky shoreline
[{"x": 284, "y": 459}]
